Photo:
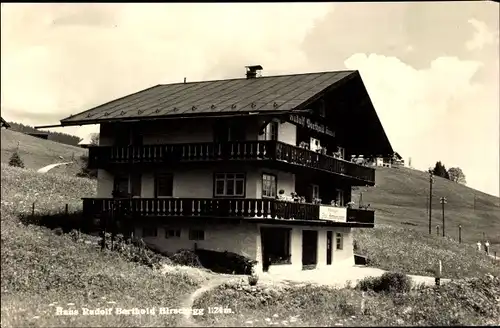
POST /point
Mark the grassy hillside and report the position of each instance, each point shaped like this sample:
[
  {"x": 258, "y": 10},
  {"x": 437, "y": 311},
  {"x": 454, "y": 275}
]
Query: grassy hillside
[
  {"x": 37, "y": 153},
  {"x": 41, "y": 271},
  {"x": 400, "y": 199},
  {"x": 57, "y": 271}
]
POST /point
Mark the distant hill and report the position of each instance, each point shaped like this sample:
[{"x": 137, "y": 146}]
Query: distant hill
[
  {"x": 37, "y": 153},
  {"x": 400, "y": 198},
  {"x": 64, "y": 138}
]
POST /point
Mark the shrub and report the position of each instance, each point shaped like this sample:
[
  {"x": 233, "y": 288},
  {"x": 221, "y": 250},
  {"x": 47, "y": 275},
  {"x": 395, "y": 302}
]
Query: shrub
[
  {"x": 186, "y": 257},
  {"x": 390, "y": 282},
  {"x": 225, "y": 262},
  {"x": 15, "y": 160}
]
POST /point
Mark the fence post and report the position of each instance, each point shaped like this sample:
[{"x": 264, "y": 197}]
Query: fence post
[
  {"x": 33, "y": 209},
  {"x": 460, "y": 233},
  {"x": 437, "y": 230},
  {"x": 438, "y": 273},
  {"x": 66, "y": 212}
]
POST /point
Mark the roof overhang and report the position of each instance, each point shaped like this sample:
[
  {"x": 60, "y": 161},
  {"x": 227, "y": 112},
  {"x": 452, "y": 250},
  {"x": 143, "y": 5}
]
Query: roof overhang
[{"x": 176, "y": 117}]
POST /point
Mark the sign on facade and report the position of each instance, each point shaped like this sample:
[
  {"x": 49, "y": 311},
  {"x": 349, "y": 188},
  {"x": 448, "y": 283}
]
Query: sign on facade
[
  {"x": 308, "y": 123},
  {"x": 332, "y": 213}
]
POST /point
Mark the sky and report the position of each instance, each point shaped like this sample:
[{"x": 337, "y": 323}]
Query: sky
[{"x": 430, "y": 68}]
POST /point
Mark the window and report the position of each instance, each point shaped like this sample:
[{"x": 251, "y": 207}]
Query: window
[
  {"x": 339, "y": 197},
  {"x": 340, "y": 241},
  {"x": 149, "y": 232},
  {"x": 314, "y": 144},
  {"x": 315, "y": 191},
  {"x": 164, "y": 185},
  {"x": 322, "y": 109},
  {"x": 229, "y": 131},
  {"x": 229, "y": 184},
  {"x": 136, "y": 184},
  {"x": 172, "y": 233},
  {"x": 341, "y": 152},
  {"x": 269, "y": 186},
  {"x": 272, "y": 131},
  {"x": 196, "y": 234},
  {"x": 120, "y": 184}
]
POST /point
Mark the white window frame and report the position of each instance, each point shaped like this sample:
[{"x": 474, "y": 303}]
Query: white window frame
[
  {"x": 269, "y": 133},
  {"x": 339, "y": 241},
  {"x": 341, "y": 151},
  {"x": 226, "y": 181},
  {"x": 274, "y": 185}
]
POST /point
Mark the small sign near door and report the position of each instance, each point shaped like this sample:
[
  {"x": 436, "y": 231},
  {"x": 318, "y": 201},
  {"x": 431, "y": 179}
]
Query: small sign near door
[{"x": 332, "y": 213}]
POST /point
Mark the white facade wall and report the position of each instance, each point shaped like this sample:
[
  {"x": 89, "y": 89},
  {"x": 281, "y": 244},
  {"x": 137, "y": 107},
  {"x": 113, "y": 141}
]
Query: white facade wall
[{"x": 242, "y": 238}]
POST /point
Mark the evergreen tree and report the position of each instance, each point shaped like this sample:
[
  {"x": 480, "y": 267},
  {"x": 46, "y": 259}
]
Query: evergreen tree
[
  {"x": 15, "y": 160},
  {"x": 440, "y": 170}
]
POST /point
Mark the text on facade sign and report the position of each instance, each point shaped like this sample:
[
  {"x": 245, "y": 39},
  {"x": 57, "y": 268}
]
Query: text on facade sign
[{"x": 308, "y": 123}]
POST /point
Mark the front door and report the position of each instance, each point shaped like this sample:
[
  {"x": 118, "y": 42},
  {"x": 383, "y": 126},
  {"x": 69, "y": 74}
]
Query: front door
[
  {"x": 329, "y": 239},
  {"x": 309, "y": 249}
]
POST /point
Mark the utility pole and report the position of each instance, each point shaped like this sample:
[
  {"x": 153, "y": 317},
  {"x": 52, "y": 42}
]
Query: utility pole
[
  {"x": 431, "y": 180},
  {"x": 442, "y": 200}
]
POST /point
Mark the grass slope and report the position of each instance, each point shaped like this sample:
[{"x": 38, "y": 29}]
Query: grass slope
[
  {"x": 400, "y": 199},
  {"x": 41, "y": 271},
  {"x": 37, "y": 153}
]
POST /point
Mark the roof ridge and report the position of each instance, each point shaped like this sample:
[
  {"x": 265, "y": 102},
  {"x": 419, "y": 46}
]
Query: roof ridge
[{"x": 259, "y": 78}]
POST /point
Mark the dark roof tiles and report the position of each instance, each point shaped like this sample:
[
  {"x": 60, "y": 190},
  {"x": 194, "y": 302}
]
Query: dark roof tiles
[{"x": 272, "y": 93}]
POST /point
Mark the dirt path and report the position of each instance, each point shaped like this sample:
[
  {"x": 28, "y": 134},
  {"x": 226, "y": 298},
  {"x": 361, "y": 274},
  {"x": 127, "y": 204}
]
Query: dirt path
[
  {"x": 214, "y": 282},
  {"x": 47, "y": 168},
  {"x": 339, "y": 277}
]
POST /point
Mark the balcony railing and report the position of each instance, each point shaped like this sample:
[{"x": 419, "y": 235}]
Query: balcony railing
[
  {"x": 211, "y": 207},
  {"x": 241, "y": 150}
]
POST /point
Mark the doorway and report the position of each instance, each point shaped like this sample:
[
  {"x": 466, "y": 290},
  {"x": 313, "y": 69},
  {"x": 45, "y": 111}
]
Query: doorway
[
  {"x": 329, "y": 240},
  {"x": 275, "y": 243},
  {"x": 309, "y": 249}
]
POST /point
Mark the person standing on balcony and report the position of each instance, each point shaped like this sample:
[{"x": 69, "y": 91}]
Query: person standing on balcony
[{"x": 478, "y": 246}]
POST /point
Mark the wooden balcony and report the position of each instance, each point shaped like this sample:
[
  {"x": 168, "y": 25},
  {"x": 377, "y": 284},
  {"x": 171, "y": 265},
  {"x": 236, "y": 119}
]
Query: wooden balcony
[
  {"x": 215, "y": 208},
  {"x": 102, "y": 157}
]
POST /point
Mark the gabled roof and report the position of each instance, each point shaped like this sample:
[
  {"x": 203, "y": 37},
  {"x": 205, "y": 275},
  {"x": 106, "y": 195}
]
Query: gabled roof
[{"x": 271, "y": 94}]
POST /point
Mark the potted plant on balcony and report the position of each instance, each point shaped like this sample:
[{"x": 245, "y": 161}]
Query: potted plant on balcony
[{"x": 317, "y": 201}]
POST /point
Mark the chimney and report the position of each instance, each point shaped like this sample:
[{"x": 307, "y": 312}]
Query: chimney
[{"x": 252, "y": 71}]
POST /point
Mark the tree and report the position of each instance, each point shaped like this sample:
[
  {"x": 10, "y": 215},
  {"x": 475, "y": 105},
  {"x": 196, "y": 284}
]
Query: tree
[
  {"x": 16, "y": 161},
  {"x": 94, "y": 139},
  {"x": 456, "y": 175},
  {"x": 440, "y": 170}
]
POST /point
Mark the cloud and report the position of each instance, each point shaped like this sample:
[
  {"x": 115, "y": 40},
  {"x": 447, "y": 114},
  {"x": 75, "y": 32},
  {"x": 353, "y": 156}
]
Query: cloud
[
  {"x": 68, "y": 58},
  {"x": 437, "y": 113},
  {"x": 482, "y": 36}
]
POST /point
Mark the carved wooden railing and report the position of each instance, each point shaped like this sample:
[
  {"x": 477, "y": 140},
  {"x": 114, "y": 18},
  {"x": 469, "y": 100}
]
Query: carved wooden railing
[
  {"x": 203, "y": 207},
  {"x": 241, "y": 150},
  {"x": 213, "y": 207}
]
